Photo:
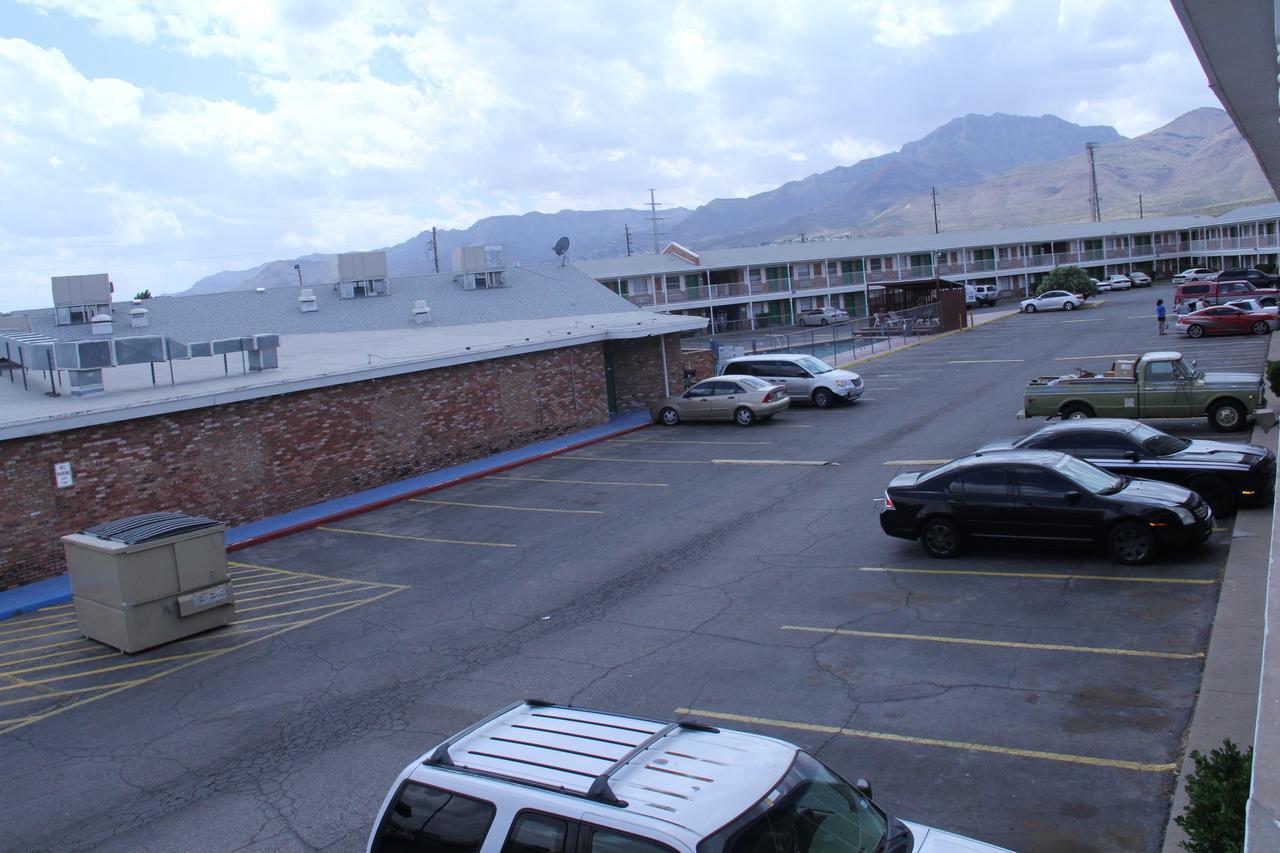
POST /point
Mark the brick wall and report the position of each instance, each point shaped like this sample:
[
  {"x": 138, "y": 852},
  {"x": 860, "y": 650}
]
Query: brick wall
[
  {"x": 245, "y": 461},
  {"x": 637, "y": 370}
]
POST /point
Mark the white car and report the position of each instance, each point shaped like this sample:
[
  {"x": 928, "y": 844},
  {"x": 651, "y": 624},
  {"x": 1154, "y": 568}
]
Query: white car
[
  {"x": 535, "y": 775},
  {"x": 1118, "y": 282},
  {"x": 1101, "y": 285},
  {"x": 1052, "y": 300},
  {"x": 1140, "y": 279},
  {"x": 1195, "y": 274},
  {"x": 1254, "y": 306},
  {"x": 822, "y": 316}
]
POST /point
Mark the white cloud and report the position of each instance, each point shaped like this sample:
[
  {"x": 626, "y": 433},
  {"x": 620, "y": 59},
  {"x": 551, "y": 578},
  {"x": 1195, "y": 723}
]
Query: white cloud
[{"x": 906, "y": 25}]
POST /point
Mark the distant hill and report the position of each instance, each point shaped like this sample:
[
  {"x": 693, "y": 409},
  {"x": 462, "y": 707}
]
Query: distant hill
[{"x": 991, "y": 171}]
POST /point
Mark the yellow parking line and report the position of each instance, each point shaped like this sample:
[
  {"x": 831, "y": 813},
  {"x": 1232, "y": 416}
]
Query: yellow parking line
[
  {"x": 15, "y": 720},
  {"x": 815, "y": 463},
  {"x": 503, "y": 506},
  {"x": 41, "y": 648},
  {"x": 414, "y": 538},
  {"x": 215, "y": 653},
  {"x": 38, "y": 636},
  {"x": 1055, "y": 576},
  {"x": 21, "y": 661},
  {"x": 53, "y": 621},
  {"x": 75, "y": 691},
  {"x": 578, "y": 482},
  {"x": 130, "y": 665},
  {"x": 237, "y": 577},
  {"x": 968, "y": 641},
  {"x": 629, "y": 459},
  {"x": 297, "y": 600},
  {"x": 916, "y": 462},
  {"x": 278, "y": 582},
  {"x": 1116, "y": 763},
  {"x": 270, "y": 594},
  {"x": 310, "y": 609},
  {"x": 10, "y": 673},
  {"x": 22, "y": 624}
]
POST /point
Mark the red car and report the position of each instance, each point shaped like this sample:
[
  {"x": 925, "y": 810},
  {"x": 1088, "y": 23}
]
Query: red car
[{"x": 1226, "y": 320}]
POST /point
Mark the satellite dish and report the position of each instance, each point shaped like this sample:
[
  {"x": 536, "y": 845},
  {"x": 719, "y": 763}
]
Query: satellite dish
[{"x": 562, "y": 246}]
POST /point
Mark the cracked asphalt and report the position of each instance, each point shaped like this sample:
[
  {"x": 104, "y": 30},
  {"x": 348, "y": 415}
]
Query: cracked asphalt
[{"x": 688, "y": 591}]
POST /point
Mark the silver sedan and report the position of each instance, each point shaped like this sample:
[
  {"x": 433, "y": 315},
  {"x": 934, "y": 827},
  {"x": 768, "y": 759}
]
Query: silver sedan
[{"x": 741, "y": 399}]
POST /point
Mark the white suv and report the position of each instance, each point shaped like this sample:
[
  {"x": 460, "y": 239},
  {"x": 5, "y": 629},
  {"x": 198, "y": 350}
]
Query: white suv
[
  {"x": 805, "y": 377},
  {"x": 536, "y": 776}
]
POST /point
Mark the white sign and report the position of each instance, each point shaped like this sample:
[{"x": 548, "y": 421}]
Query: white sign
[{"x": 62, "y": 473}]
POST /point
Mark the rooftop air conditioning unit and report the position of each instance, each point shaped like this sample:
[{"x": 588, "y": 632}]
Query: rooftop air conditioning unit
[{"x": 480, "y": 267}]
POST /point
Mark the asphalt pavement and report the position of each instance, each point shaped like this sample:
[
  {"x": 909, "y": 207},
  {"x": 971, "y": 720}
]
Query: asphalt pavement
[{"x": 1033, "y": 697}]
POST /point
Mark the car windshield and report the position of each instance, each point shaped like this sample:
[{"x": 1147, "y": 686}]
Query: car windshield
[
  {"x": 812, "y": 810},
  {"x": 1159, "y": 443},
  {"x": 815, "y": 366},
  {"x": 1187, "y": 368},
  {"x": 1088, "y": 477}
]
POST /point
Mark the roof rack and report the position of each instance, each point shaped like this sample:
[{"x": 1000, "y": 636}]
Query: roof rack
[{"x": 599, "y": 791}]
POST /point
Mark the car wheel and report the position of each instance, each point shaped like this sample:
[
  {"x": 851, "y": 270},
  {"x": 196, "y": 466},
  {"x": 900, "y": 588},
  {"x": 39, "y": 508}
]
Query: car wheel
[
  {"x": 744, "y": 416},
  {"x": 822, "y": 398},
  {"x": 669, "y": 416},
  {"x": 1068, "y": 306},
  {"x": 1261, "y": 328},
  {"x": 1217, "y": 493},
  {"x": 941, "y": 537},
  {"x": 1194, "y": 331},
  {"x": 1226, "y": 416},
  {"x": 824, "y": 321},
  {"x": 1029, "y": 309},
  {"x": 1131, "y": 543},
  {"x": 1076, "y": 412}
]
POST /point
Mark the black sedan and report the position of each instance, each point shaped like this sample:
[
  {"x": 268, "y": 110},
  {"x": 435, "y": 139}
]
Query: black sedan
[
  {"x": 1038, "y": 494},
  {"x": 1224, "y": 474}
]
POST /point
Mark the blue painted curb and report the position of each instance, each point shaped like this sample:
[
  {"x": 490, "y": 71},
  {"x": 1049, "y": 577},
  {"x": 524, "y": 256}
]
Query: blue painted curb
[{"x": 57, "y": 590}]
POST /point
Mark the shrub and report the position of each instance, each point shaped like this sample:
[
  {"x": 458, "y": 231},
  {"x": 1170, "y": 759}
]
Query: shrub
[
  {"x": 1273, "y": 376},
  {"x": 1218, "y": 790},
  {"x": 1071, "y": 279}
]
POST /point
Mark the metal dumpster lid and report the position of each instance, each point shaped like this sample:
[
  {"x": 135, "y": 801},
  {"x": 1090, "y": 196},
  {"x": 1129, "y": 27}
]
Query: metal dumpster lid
[{"x": 149, "y": 527}]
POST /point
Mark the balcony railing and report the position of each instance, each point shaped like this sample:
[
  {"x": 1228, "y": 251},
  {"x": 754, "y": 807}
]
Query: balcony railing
[
  {"x": 1011, "y": 263},
  {"x": 1093, "y": 255},
  {"x": 984, "y": 265},
  {"x": 876, "y": 276}
]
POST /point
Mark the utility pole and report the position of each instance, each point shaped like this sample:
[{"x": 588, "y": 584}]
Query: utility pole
[
  {"x": 802, "y": 237},
  {"x": 1140, "y": 216},
  {"x": 1095, "y": 209},
  {"x": 934, "y": 192},
  {"x": 627, "y": 230},
  {"x": 435, "y": 248},
  {"x": 655, "y": 219},
  {"x": 298, "y": 269}
]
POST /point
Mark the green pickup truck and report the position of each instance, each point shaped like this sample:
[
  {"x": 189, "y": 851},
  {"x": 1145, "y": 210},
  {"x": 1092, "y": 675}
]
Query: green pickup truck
[{"x": 1154, "y": 385}]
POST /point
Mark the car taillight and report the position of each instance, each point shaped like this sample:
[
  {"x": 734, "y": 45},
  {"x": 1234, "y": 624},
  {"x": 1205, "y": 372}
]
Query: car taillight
[{"x": 888, "y": 501}]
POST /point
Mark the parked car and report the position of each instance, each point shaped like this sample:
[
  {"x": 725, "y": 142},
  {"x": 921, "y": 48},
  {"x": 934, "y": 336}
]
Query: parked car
[
  {"x": 1155, "y": 385},
  {"x": 1140, "y": 279},
  {"x": 1224, "y": 474},
  {"x": 1254, "y": 306},
  {"x": 741, "y": 399},
  {"x": 1043, "y": 495},
  {"x": 1052, "y": 300},
  {"x": 1100, "y": 285},
  {"x": 1118, "y": 282},
  {"x": 805, "y": 377},
  {"x": 1226, "y": 320},
  {"x": 1194, "y": 274},
  {"x": 822, "y": 316},
  {"x": 1257, "y": 278},
  {"x": 986, "y": 294},
  {"x": 1216, "y": 293},
  {"x": 541, "y": 777}
]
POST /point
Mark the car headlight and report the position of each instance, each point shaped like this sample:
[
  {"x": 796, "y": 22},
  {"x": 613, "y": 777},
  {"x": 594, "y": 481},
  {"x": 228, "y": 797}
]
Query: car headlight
[
  {"x": 1184, "y": 515},
  {"x": 840, "y": 383}
]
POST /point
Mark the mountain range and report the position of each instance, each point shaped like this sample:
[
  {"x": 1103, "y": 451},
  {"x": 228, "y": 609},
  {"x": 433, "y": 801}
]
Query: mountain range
[{"x": 989, "y": 171}]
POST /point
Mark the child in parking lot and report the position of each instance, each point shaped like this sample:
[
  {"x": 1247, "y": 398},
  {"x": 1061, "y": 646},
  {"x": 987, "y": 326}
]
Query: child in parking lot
[{"x": 1160, "y": 315}]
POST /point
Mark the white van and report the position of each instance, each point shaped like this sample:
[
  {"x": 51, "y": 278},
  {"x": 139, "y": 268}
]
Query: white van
[{"x": 805, "y": 377}]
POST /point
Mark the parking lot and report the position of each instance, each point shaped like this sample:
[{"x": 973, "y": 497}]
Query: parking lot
[{"x": 1033, "y": 697}]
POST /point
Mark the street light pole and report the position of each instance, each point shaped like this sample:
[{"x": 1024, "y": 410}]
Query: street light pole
[{"x": 298, "y": 267}]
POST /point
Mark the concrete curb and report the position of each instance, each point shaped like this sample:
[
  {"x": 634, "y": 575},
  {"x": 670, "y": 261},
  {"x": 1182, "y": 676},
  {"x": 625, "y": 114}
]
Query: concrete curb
[
  {"x": 45, "y": 593},
  {"x": 1227, "y": 706}
]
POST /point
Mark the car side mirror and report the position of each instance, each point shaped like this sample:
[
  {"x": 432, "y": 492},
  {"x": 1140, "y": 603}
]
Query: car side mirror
[
  {"x": 1132, "y": 456},
  {"x": 1072, "y": 498},
  {"x": 863, "y": 787}
]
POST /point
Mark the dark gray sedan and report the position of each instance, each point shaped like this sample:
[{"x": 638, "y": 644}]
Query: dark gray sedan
[{"x": 741, "y": 399}]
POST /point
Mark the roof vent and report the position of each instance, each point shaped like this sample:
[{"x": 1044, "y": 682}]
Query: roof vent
[
  {"x": 307, "y": 300},
  {"x": 138, "y": 318},
  {"x": 421, "y": 313},
  {"x": 480, "y": 267},
  {"x": 100, "y": 324},
  {"x": 259, "y": 290}
]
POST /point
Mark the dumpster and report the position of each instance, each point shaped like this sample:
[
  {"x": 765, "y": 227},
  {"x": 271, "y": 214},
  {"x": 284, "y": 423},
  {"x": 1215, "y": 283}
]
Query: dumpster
[{"x": 149, "y": 579}]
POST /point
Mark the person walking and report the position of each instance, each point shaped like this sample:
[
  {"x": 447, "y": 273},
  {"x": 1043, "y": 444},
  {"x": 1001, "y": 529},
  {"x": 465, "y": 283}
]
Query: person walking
[{"x": 1160, "y": 315}]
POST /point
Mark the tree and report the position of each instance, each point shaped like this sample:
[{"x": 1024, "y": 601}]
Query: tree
[
  {"x": 1070, "y": 279},
  {"x": 143, "y": 294},
  {"x": 1218, "y": 791}
]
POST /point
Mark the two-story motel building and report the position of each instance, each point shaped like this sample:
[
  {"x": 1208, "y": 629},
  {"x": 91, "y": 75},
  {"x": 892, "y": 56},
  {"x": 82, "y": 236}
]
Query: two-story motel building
[{"x": 759, "y": 286}]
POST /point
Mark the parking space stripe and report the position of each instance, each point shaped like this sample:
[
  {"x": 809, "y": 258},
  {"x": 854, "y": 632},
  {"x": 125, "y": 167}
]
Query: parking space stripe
[
  {"x": 1084, "y": 357},
  {"x": 1053, "y": 576},
  {"x": 130, "y": 665},
  {"x": 579, "y": 482},
  {"x": 39, "y": 648},
  {"x": 628, "y": 459},
  {"x": 305, "y": 586},
  {"x": 503, "y": 506},
  {"x": 295, "y": 600},
  {"x": 1115, "y": 763},
  {"x": 48, "y": 622},
  {"x": 270, "y": 583},
  {"x": 38, "y": 636},
  {"x": 916, "y": 462},
  {"x": 969, "y": 641},
  {"x": 680, "y": 441},
  {"x": 987, "y": 361},
  {"x": 10, "y": 673},
  {"x": 814, "y": 463},
  {"x": 415, "y": 538},
  {"x": 74, "y": 691}
]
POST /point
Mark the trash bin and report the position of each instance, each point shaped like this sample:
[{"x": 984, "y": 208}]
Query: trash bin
[{"x": 149, "y": 579}]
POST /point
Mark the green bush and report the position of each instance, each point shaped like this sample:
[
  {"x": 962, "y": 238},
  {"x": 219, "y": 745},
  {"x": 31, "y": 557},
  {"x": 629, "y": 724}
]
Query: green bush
[
  {"x": 1218, "y": 790},
  {"x": 1071, "y": 279},
  {"x": 1273, "y": 376}
]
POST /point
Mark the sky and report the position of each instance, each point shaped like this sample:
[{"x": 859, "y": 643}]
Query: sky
[{"x": 161, "y": 141}]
